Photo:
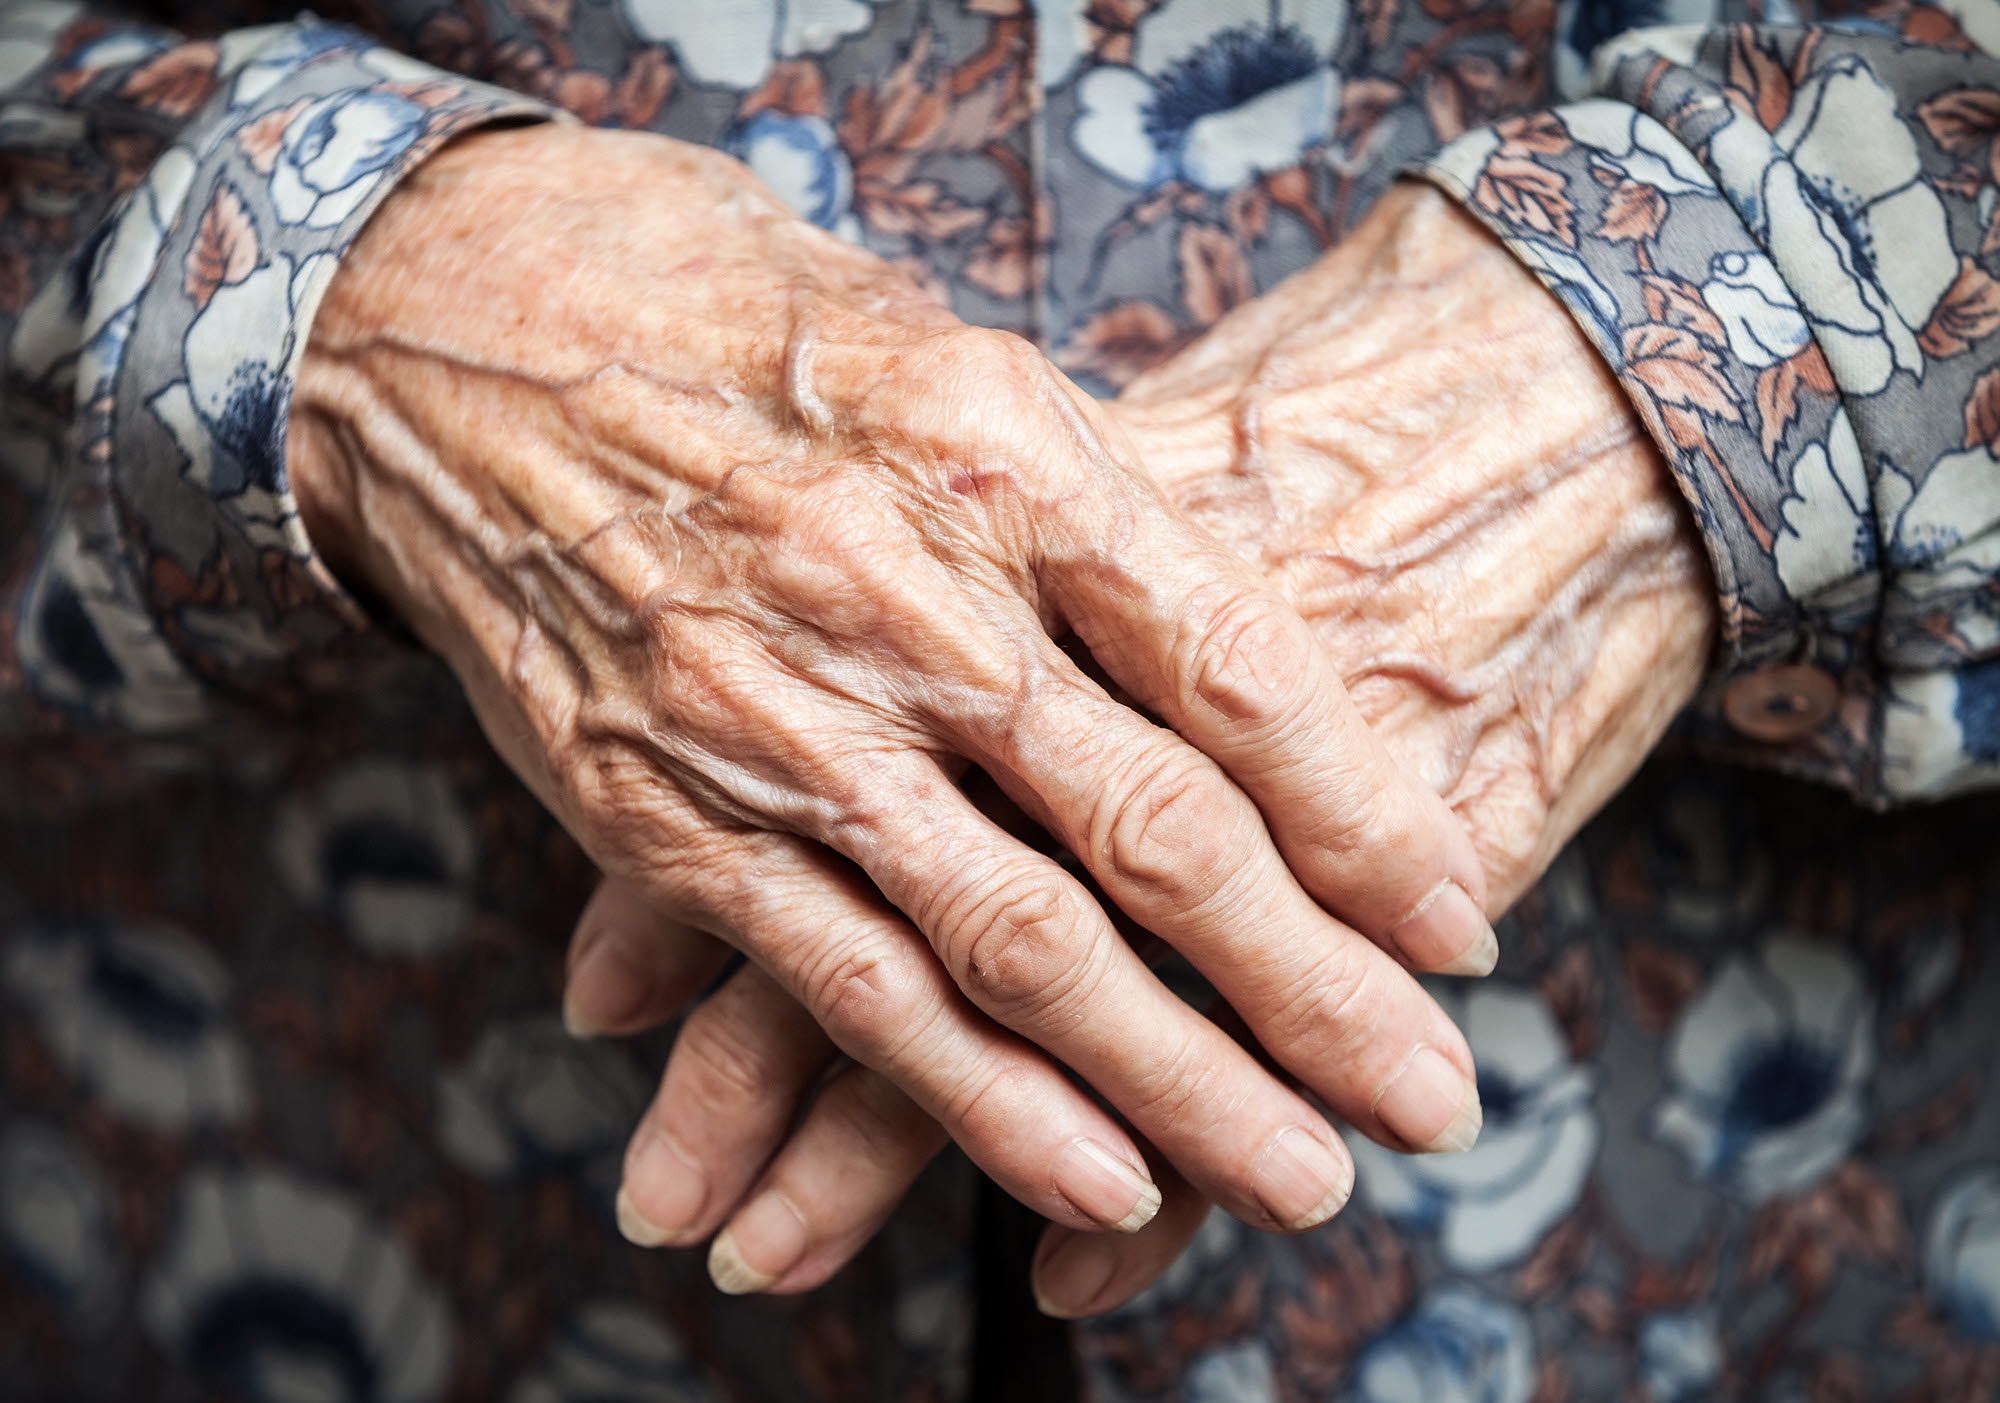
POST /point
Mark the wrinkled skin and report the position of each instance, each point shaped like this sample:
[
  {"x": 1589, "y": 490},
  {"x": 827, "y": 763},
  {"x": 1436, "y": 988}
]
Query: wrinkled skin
[
  {"x": 1416, "y": 447},
  {"x": 744, "y": 550}
]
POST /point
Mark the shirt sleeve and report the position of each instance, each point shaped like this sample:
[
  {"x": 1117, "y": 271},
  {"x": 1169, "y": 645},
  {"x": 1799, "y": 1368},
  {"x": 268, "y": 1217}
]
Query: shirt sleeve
[
  {"x": 1783, "y": 241},
  {"x": 174, "y": 211}
]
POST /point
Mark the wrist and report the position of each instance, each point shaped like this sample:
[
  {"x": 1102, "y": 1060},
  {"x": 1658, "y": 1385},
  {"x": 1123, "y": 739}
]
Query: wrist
[
  {"x": 480, "y": 397},
  {"x": 1428, "y": 457},
  {"x": 337, "y": 404},
  {"x": 443, "y": 322}
]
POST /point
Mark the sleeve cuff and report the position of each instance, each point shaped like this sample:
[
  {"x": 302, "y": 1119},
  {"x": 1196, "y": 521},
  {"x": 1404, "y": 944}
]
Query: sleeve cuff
[
  {"x": 1623, "y": 224},
  {"x": 199, "y": 307}
]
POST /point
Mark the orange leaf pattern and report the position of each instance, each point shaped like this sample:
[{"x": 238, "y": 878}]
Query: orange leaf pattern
[
  {"x": 224, "y": 248},
  {"x": 176, "y": 83},
  {"x": 1521, "y": 192}
]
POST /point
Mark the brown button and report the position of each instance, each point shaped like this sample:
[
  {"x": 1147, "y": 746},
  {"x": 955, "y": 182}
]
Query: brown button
[{"x": 1782, "y": 703}]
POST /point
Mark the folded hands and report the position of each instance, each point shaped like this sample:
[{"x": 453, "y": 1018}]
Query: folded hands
[{"x": 1302, "y": 657}]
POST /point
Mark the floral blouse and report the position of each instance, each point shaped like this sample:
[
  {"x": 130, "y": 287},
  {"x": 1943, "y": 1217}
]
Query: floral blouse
[{"x": 286, "y": 1114}]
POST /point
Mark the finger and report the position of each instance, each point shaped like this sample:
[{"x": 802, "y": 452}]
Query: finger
[
  {"x": 631, "y": 966},
  {"x": 727, "y": 1099},
  {"x": 877, "y": 989},
  {"x": 1083, "y": 1274},
  {"x": 1180, "y": 850},
  {"x": 740, "y": 1068},
  {"x": 1194, "y": 636},
  {"x": 828, "y": 1191},
  {"x": 1029, "y": 945}
]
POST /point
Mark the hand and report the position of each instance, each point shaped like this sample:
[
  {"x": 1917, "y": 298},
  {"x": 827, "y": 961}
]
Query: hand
[
  {"x": 1420, "y": 450},
  {"x": 743, "y": 549}
]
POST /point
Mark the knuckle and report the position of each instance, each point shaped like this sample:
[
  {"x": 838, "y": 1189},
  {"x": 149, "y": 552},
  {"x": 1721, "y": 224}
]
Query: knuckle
[
  {"x": 828, "y": 538},
  {"x": 986, "y": 393},
  {"x": 997, "y": 355},
  {"x": 862, "y": 997},
  {"x": 841, "y": 531},
  {"x": 628, "y": 809},
  {"x": 1375, "y": 817},
  {"x": 1019, "y": 946},
  {"x": 868, "y": 805},
  {"x": 1176, "y": 836},
  {"x": 604, "y": 792},
  {"x": 1248, "y": 662}
]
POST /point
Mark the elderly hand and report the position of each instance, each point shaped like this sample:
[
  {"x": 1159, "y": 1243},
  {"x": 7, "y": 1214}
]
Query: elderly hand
[
  {"x": 1417, "y": 448},
  {"x": 743, "y": 549}
]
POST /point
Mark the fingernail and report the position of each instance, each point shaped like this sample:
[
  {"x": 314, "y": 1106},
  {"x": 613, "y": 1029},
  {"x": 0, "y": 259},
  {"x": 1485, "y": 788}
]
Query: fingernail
[
  {"x": 605, "y": 989},
  {"x": 1448, "y": 934},
  {"x": 673, "y": 1188},
  {"x": 1072, "y": 1278},
  {"x": 760, "y": 1245},
  {"x": 1301, "y": 1180},
  {"x": 1430, "y": 1104},
  {"x": 1105, "y": 1188}
]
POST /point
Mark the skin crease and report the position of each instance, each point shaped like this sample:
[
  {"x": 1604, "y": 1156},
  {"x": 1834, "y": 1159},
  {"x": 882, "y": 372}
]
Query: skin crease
[
  {"x": 1419, "y": 449},
  {"x": 743, "y": 550}
]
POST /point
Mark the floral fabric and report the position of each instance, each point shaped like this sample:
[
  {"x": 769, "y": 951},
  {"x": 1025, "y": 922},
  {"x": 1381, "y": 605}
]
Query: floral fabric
[
  {"x": 1778, "y": 238},
  {"x": 285, "y": 1113}
]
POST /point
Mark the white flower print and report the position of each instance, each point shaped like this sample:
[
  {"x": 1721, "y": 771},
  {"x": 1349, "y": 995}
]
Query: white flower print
[
  {"x": 1763, "y": 324},
  {"x": 530, "y": 1099},
  {"x": 1946, "y": 538},
  {"x": 55, "y": 1223},
  {"x": 800, "y": 158},
  {"x": 1680, "y": 1356},
  {"x": 614, "y": 1349},
  {"x": 84, "y": 643},
  {"x": 1458, "y": 1346},
  {"x": 1062, "y": 38},
  {"x": 264, "y": 57},
  {"x": 113, "y": 48},
  {"x": 138, "y": 1015},
  {"x": 1577, "y": 285},
  {"x": 1962, "y": 1253},
  {"x": 1238, "y": 1374},
  {"x": 1640, "y": 148},
  {"x": 1492, "y": 1204},
  {"x": 1583, "y": 25},
  {"x": 384, "y": 848},
  {"x": 28, "y": 34},
  {"x": 1843, "y": 205},
  {"x": 279, "y": 1291},
  {"x": 237, "y": 352},
  {"x": 1210, "y": 100},
  {"x": 736, "y": 45},
  {"x": 1461, "y": 163},
  {"x": 228, "y": 416},
  {"x": 1980, "y": 22},
  {"x": 1768, "y": 1069},
  {"x": 53, "y": 327},
  {"x": 1828, "y": 546},
  {"x": 1941, "y": 730},
  {"x": 336, "y": 153}
]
